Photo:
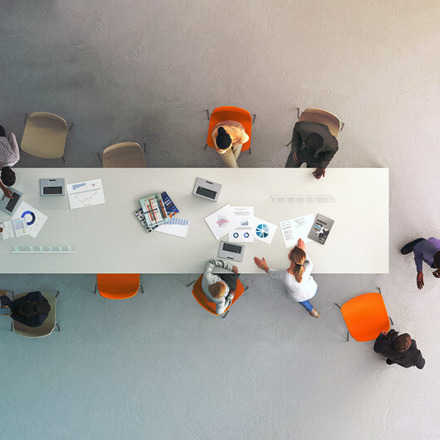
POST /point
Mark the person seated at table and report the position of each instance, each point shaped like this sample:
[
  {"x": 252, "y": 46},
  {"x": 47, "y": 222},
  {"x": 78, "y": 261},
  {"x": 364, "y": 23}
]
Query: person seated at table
[
  {"x": 297, "y": 279},
  {"x": 229, "y": 137},
  {"x": 9, "y": 155},
  {"x": 31, "y": 309},
  {"x": 219, "y": 288},
  {"x": 427, "y": 251},
  {"x": 313, "y": 144},
  {"x": 399, "y": 349}
]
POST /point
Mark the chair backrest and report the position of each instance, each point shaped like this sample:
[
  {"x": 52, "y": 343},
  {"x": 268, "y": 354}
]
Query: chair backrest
[
  {"x": 230, "y": 113},
  {"x": 201, "y": 298},
  {"x": 124, "y": 155},
  {"x": 118, "y": 285},
  {"x": 322, "y": 117},
  {"x": 44, "y": 135},
  {"x": 44, "y": 329},
  {"x": 366, "y": 316}
]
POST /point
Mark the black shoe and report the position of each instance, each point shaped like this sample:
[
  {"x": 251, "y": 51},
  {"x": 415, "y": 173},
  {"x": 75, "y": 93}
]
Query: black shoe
[{"x": 409, "y": 247}]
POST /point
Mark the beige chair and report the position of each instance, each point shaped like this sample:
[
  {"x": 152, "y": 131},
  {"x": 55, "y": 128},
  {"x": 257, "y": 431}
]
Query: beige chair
[
  {"x": 324, "y": 117},
  {"x": 124, "y": 155},
  {"x": 48, "y": 325},
  {"x": 45, "y": 135}
]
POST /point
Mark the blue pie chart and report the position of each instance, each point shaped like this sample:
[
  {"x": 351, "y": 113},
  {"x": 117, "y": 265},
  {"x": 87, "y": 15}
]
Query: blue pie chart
[
  {"x": 33, "y": 218},
  {"x": 262, "y": 231}
]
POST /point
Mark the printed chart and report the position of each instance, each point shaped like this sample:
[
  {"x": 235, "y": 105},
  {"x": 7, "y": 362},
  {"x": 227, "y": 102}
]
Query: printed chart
[
  {"x": 83, "y": 194},
  {"x": 34, "y": 219}
]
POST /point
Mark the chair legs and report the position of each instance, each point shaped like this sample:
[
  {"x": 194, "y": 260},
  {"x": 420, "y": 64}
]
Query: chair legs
[
  {"x": 141, "y": 288},
  {"x": 192, "y": 282}
]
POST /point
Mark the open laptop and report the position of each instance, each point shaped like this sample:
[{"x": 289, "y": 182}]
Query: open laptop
[
  {"x": 231, "y": 251},
  {"x": 207, "y": 190},
  {"x": 9, "y": 205}
]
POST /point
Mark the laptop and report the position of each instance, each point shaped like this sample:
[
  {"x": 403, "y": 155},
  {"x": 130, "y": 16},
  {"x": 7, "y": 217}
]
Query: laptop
[
  {"x": 231, "y": 251},
  {"x": 8, "y": 205},
  {"x": 207, "y": 190}
]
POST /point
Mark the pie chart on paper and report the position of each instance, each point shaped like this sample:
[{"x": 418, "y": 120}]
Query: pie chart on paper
[{"x": 262, "y": 231}]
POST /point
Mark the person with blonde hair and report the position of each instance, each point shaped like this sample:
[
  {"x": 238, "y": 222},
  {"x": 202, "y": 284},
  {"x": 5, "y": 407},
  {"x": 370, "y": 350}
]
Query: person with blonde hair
[
  {"x": 219, "y": 288},
  {"x": 297, "y": 279}
]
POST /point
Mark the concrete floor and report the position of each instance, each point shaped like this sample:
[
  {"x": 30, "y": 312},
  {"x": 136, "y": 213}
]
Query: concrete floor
[{"x": 157, "y": 366}]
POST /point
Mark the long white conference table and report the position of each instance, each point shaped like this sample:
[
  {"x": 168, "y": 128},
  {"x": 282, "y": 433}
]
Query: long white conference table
[{"x": 108, "y": 238}]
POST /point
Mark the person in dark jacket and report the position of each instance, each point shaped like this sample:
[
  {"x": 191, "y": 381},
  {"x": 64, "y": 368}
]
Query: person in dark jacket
[
  {"x": 399, "y": 349},
  {"x": 31, "y": 309},
  {"x": 313, "y": 144}
]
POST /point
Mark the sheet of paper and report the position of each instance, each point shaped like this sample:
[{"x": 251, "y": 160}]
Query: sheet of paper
[
  {"x": 222, "y": 221},
  {"x": 87, "y": 193},
  {"x": 263, "y": 230},
  {"x": 296, "y": 228},
  {"x": 243, "y": 234},
  {"x": 244, "y": 214},
  {"x": 176, "y": 226},
  {"x": 34, "y": 218}
]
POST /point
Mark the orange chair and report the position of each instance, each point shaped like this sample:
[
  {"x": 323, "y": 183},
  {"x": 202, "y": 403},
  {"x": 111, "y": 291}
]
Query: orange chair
[
  {"x": 118, "y": 285},
  {"x": 366, "y": 316},
  {"x": 229, "y": 113},
  {"x": 201, "y": 298}
]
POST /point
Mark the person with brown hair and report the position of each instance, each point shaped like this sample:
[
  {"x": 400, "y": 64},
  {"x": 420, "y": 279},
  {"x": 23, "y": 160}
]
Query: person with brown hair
[
  {"x": 399, "y": 349},
  {"x": 297, "y": 279}
]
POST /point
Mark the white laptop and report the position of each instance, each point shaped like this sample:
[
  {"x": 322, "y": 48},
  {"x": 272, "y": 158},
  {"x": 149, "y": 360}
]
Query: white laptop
[
  {"x": 231, "y": 251},
  {"x": 207, "y": 190}
]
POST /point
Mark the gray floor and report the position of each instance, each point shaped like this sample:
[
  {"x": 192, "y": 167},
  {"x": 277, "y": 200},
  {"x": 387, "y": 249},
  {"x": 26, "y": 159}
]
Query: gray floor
[{"x": 158, "y": 366}]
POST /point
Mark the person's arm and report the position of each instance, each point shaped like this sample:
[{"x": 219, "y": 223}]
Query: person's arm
[
  {"x": 261, "y": 264},
  {"x": 221, "y": 308},
  {"x": 6, "y": 190},
  {"x": 212, "y": 278},
  {"x": 14, "y": 144},
  {"x": 21, "y": 319},
  {"x": 420, "y": 363},
  {"x": 296, "y": 142},
  {"x": 325, "y": 158},
  {"x": 379, "y": 343}
]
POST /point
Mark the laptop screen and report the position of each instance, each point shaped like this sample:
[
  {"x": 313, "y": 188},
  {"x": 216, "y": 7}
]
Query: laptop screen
[{"x": 12, "y": 202}]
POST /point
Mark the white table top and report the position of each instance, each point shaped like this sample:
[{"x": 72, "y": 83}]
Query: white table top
[{"x": 109, "y": 238}]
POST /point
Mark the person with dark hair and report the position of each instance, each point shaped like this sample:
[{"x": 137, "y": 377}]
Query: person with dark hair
[
  {"x": 9, "y": 156},
  {"x": 313, "y": 144},
  {"x": 229, "y": 137},
  {"x": 297, "y": 279},
  {"x": 31, "y": 309},
  {"x": 399, "y": 349},
  {"x": 427, "y": 251}
]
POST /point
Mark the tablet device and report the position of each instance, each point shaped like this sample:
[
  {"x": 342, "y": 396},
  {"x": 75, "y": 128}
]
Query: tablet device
[
  {"x": 206, "y": 189},
  {"x": 231, "y": 251},
  {"x": 9, "y": 205}
]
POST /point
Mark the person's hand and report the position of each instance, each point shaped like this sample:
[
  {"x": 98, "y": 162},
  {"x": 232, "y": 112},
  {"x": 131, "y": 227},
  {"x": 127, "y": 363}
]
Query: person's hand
[
  {"x": 319, "y": 172},
  {"x": 8, "y": 192},
  {"x": 420, "y": 282},
  {"x": 295, "y": 157},
  {"x": 383, "y": 333},
  {"x": 261, "y": 263},
  {"x": 301, "y": 244},
  {"x": 235, "y": 269}
]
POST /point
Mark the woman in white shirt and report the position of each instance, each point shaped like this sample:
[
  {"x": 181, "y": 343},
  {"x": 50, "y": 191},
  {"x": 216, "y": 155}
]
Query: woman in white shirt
[{"x": 297, "y": 279}]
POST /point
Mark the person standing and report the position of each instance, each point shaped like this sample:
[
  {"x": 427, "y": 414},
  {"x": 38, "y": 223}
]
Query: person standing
[
  {"x": 219, "y": 288},
  {"x": 229, "y": 137},
  {"x": 427, "y": 251},
  {"x": 297, "y": 279},
  {"x": 399, "y": 349},
  {"x": 313, "y": 144},
  {"x": 9, "y": 156}
]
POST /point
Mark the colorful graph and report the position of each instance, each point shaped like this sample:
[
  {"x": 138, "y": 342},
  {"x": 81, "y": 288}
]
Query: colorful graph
[
  {"x": 262, "y": 231},
  {"x": 33, "y": 218}
]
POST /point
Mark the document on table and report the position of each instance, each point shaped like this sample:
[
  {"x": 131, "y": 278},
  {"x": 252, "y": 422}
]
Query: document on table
[
  {"x": 34, "y": 219},
  {"x": 243, "y": 234},
  {"x": 176, "y": 226},
  {"x": 13, "y": 228},
  {"x": 296, "y": 228},
  {"x": 222, "y": 221},
  {"x": 87, "y": 193},
  {"x": 263, "y": 230}
]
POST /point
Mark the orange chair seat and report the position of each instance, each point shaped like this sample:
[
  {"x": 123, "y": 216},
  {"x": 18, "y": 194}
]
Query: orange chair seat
[
  {"x": 201, "y": 298},
  {"x": 366, "y": 316},
  {"x": 118, "y": 285},
  {"x": 229, "y": 113}
]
